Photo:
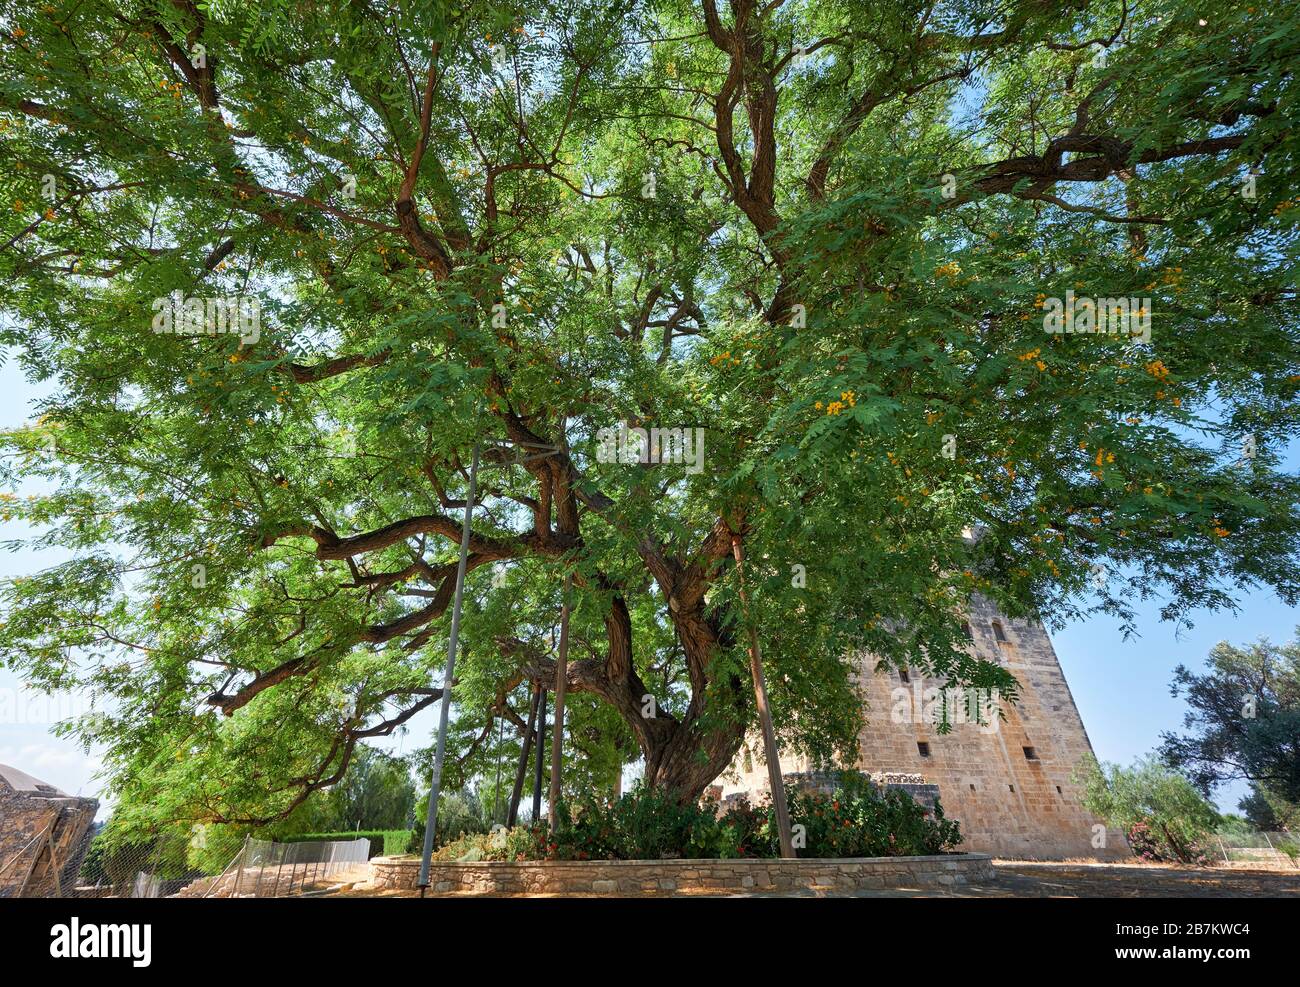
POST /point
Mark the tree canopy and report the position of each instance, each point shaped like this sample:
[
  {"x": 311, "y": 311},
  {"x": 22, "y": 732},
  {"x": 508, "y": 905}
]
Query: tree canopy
[
  {"x": 829, "y": 235},
  {"x": 1243, "y": 723}
]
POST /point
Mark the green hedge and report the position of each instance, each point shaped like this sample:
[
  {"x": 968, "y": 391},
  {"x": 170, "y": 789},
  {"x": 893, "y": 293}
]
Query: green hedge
[{"x": 383, "y": 842}]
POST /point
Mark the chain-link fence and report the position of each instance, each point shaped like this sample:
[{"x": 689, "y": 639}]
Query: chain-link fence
[
  {"x": 95, "y": 868},
  {"x": 1259, "y": 848},
  {"x": 92, "y": 869},
  {"x": 263, "y": 869}
]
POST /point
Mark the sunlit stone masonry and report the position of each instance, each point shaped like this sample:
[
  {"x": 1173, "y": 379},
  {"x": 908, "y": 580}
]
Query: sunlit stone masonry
[
  {"x": 1007, "y": 781},
  {"x": 44, "y": 834}
]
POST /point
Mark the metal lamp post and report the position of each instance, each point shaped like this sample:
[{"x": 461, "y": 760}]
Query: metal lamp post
[
  {"x": 440, "y": 751},
  {"x": 435, "y": 786}
]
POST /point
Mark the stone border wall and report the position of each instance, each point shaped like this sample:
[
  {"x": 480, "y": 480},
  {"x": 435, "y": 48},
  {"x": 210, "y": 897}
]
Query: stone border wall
[{"x": 637, "y": 877}]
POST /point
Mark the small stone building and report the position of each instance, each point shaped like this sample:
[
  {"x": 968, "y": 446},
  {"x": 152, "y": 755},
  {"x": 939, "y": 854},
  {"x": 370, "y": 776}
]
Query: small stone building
[
  {"x": 1006, "y": 779},
  {"x": 43, "y": 835}
]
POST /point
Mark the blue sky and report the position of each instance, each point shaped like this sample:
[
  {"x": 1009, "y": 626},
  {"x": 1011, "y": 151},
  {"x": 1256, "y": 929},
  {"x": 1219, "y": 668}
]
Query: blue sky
[{"x": 1121, "y": 687}]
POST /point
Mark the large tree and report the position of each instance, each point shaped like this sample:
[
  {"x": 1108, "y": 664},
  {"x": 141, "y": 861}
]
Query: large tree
[
  {"x": 824, "y": 233},
  {"x": 1242, "y": 724}
]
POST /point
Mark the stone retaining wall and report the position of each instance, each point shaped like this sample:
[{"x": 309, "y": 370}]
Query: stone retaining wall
[
  {"x": 26, "y": 863},
  {"x": 636, "y": 877}
]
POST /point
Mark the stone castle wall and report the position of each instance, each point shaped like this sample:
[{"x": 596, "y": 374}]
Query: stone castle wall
[
  {"x": 25, "y": 861},
  {"x": 1007, "y": 782}
]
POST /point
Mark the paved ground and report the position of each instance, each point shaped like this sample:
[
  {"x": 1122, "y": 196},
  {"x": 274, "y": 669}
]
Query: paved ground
[{"x": 1024, "y": 879}]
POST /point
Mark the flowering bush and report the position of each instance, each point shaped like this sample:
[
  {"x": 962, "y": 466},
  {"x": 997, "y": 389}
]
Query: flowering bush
[
  {"x": 856, "y": 820},
  {"x": 1148, "y": 845}
]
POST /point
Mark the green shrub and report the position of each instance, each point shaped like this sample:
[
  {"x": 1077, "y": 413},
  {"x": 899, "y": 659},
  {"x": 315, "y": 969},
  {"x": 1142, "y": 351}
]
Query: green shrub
[
  {"x": 114, "y": 858},
  {"x": 856, "y": 820},
  {"x": 520, "y": 843},
  {"x": 1291, "y": 847},
  {"x": 645, "y": 824},
  {"x": 1161, "y": 811},
  {"x": 459, "y": 814}
]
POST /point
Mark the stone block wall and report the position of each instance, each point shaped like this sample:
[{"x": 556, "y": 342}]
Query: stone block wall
[
  {"x": 23, "y": 817},
  {"x": 1007, "y": 783},
  {"x": 667, "y": 877}
]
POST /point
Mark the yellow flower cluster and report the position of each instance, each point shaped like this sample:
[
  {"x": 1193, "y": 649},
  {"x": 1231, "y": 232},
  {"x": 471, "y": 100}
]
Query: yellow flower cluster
[
  {"x": 724, "y": 359},
  {"x": 949, "y": 270},
  {"x": 1033, "y": 355},
  {"x": 847, "y": 400}
]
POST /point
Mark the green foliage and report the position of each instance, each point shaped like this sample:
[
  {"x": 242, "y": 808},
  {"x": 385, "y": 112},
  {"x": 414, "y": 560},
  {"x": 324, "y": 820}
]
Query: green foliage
[
  {"x": 114, "y": 860},
  {"x": 1290, "y": 846},
  {"x": 519, "y": 843},
  {"x": 1153, "y": 845},
  {"x": 1164, "y": 815},
  {"x": 645, "y": 824},
  {"x": 856, "y": 820},
  {"x": 459, "y": 813},
  {"x": 1234, "y": 825},
  {"x": 1266, "y": 811},
  {"x": 376, "y": 794},
  {"x": 1243, "y": 723}
]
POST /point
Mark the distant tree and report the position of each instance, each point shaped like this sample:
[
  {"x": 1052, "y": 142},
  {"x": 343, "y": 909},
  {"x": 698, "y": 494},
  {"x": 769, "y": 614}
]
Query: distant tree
[
  {"x": 459, "y": 814},
  {"x": 1268, "y": 812},
  {"x": 1231, "y": 824},
  {"x": 1152, "y": 800},
  {"x": 1243, "y": 724},
  {"x": 377, "y": 793}
]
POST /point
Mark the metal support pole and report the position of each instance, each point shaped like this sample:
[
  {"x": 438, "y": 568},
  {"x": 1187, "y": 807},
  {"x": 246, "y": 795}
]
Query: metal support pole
[
  {"x": 279, "y": 868},
  {"x": 435, "y": 786},
  {"x": 561, "y": 687},
  {"x": 541, "y": 758},
  {"x": 764, "y": 714},
  {"x": 496, "y": 789},
  {"x": 512, "y": 815},
  {"x": 243, "y": 856}
]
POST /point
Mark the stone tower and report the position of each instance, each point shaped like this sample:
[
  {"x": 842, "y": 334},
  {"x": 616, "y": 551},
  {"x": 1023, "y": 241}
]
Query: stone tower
[{"x": 1006, "y": 780}]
